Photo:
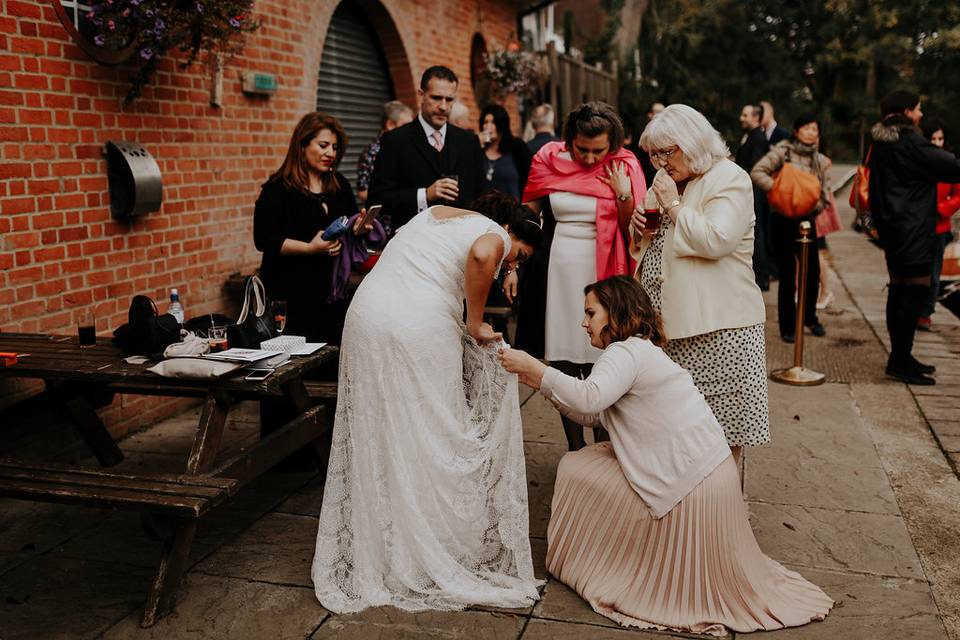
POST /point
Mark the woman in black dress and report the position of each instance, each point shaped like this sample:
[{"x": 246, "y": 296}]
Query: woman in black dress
[{"x": 295, "y": 206}]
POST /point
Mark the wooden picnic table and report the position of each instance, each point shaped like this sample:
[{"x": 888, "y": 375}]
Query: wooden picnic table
[{"x": 78, "y": 380}]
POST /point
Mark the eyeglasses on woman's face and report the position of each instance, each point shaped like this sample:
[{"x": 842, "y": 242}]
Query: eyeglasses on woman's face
[{"x": 665, "y": 155}]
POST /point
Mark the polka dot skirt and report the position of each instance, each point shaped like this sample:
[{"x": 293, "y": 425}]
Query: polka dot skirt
[{"x": 728, "y": 366}]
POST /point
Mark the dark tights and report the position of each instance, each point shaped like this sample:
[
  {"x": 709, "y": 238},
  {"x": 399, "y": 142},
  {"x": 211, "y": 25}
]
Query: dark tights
[
  {"x": 574, "y": 430},
  {"x": 906, "y": 299}
]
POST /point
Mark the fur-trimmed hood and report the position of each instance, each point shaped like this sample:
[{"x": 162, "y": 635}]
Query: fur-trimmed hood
[{"x": 888, "y": 129}]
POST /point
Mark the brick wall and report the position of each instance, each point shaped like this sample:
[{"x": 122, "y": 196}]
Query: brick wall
[{"x": 61, "y": 253}]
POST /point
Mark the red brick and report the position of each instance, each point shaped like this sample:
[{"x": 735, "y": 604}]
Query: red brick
[
  {"x": 43, "y": 221},
  {"x": 23, "y": 9}
]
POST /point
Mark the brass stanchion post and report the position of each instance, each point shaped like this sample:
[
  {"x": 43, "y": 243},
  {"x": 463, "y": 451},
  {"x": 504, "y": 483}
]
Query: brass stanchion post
[{"x": 797, "y": 375}]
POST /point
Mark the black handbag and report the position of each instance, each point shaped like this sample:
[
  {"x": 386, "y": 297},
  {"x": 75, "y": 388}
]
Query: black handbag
[
  {"x": 256, "y": 322},
  {"x": 147, "y": 332}
]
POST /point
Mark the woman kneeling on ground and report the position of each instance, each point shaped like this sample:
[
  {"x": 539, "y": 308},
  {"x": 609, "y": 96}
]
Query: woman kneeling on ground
[{"x": 651, "y": 528}]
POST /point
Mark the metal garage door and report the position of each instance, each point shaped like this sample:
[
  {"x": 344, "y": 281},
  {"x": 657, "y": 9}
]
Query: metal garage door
[{"x": 354, "y": 81}]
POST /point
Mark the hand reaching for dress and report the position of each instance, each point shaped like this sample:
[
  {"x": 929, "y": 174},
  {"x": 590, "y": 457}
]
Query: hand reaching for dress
[
  {"x": 361, "y": 229},
  {"x": 529, "y": 369}
]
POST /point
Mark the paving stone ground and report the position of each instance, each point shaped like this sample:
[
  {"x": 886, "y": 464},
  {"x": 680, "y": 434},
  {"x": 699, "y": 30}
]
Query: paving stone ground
[{"x": 856, "y": 491}]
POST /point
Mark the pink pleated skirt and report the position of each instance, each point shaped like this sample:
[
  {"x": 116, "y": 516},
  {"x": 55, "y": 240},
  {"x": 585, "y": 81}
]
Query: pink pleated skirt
[{"x": 698, "y": 569}]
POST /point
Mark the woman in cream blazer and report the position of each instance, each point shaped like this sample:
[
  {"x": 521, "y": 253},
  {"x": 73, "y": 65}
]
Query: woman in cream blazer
[{"x": 696, "y": 267}]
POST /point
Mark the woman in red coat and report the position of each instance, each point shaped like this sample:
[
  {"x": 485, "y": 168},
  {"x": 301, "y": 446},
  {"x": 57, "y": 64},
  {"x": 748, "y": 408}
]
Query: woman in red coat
[{"x": 948, "y": 203}]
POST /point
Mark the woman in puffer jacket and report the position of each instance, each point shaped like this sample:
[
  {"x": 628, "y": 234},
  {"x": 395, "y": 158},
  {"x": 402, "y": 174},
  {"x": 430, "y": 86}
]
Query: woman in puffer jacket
[
  {"x": 800, "y": 151},
  {"x": 948, "y": 203}
]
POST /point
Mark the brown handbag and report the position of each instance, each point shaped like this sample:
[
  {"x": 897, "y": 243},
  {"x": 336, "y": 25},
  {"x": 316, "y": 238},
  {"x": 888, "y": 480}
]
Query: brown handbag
[
  {"x": 795, "y": 192},
  {"x": 860, "y": 191}
]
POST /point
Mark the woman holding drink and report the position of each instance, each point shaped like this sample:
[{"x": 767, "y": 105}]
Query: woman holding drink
[{"x": 696, "y": 265}]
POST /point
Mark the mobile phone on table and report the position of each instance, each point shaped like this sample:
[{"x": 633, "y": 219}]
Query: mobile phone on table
[{"x": 257, "y": 375}]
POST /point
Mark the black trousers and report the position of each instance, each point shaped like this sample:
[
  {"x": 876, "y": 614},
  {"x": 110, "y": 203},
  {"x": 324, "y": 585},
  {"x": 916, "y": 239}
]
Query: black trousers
[
  {"x": 761, "y": 259},
  {"x": 574, "y": 430},
  {"x": 784, "y": 233}
]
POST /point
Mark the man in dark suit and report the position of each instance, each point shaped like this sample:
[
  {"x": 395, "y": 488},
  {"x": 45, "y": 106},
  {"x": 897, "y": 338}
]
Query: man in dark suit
[
  {"x": 754, "y": 146},
  {"x": 774, "y": 132},
  {"x": 427, "y": 161}
]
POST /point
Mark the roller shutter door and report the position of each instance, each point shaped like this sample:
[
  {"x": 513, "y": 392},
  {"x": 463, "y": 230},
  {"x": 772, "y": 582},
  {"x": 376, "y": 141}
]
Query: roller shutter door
[{"x": 354, "y": 81}]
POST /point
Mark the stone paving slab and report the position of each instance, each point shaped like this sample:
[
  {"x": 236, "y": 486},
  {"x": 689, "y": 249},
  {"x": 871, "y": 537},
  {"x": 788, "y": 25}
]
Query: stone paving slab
[
  {"x": 218, "y": 608},
  {"x": 278, "y": 548},
  {"x": 553, "y": 630},
  {"x": 838, "y": 540},
  {"x": 30, "y": 529},
  {"x": 55, "y": 597},
  {"x": 542, "y": 460},
  {"x": 387, "y": 623},
  {"x": 868, "y": 608},
  {"x": 927, "y": 489}
]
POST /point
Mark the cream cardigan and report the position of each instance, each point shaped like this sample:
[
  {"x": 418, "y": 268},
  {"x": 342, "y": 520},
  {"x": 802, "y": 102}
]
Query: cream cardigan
[
  {"x": 707, "y": 268},
  {"x": 663, "y": 433}
]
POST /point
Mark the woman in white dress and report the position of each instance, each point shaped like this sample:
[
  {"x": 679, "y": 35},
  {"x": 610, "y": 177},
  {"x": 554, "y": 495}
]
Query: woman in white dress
[
  {"x": 425, "y": 503},
  {"x": 586, "y": 186}
]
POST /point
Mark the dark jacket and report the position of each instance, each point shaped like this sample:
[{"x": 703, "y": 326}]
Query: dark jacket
[
  {"x": 779, "y": 134},
  {"x": 539, "y": 140},
  {"x": 753, "y": 148},
  {"x": 303, "y": 281},
  {"x": 905, "y": 168},
  {"x": 408, "y": 162}
]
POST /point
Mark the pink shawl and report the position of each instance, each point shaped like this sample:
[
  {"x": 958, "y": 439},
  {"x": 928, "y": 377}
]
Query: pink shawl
[{"x": 550, "y": 173}]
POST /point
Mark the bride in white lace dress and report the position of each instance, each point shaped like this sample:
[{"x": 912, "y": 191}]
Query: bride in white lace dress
[{"x": 425, "y": 503}]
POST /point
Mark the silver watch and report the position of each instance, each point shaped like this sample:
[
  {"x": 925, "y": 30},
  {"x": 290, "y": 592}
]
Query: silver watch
[{"x": 623, "y": 197}]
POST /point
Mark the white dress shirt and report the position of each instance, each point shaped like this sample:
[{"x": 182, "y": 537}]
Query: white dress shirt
[{"x": 428, "y": 131}]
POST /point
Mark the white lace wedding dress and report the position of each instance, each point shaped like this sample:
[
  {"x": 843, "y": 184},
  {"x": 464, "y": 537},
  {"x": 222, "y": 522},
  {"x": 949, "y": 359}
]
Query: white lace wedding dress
[{"x": 425, "y": 503}]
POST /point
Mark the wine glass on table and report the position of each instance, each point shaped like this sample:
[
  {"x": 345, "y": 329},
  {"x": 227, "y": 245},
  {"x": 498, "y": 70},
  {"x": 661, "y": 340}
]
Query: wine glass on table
[{"x": 279, "y": 315}]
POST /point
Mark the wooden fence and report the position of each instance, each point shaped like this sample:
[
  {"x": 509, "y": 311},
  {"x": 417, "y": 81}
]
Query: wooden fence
[{"x": 570, "y": 81}]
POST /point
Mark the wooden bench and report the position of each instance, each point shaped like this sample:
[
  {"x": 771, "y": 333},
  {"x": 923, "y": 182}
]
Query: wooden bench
[
  {"x": 79, "y": 380},
  {"x": 185, "y": 496}
]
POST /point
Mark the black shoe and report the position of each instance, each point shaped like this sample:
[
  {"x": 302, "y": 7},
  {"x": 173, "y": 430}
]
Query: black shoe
[
  {"x": 925, "y": 369},
  {"x": 910, "y": 377},
  {"x": 789, "y": 338},
  {"x": 817, "y": 329}
]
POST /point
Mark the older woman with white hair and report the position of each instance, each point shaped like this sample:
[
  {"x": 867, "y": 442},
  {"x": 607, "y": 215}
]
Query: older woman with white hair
[{"x": 696, "y": 265}]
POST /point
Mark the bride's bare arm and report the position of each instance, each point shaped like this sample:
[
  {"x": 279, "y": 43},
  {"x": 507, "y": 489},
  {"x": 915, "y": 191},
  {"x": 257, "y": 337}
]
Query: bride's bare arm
[{"x": 485, "y": 255}]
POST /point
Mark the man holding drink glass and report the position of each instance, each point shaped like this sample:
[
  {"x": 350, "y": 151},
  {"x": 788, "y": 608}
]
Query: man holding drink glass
[{"x": 428, "y": 161}]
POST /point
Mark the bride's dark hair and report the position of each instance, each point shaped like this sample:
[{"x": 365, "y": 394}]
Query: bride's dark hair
[{"x": 505, "y": 210}]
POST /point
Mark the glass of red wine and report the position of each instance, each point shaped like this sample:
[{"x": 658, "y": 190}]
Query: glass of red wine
[{"x": 87, "y": 329}]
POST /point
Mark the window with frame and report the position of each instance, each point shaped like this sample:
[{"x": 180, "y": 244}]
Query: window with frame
[{"x": 73, "y": 16}]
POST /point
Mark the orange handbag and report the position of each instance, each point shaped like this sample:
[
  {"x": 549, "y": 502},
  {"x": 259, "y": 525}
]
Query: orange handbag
[
  {"x": 795, "y": 192},
  {"x": 860, "y": 190}
]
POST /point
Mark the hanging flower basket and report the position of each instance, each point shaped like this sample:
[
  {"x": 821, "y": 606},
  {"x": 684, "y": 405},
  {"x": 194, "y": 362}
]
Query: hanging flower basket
[
  {"x": 155, "y": 27},
  {"x": 512, "y": 71}
]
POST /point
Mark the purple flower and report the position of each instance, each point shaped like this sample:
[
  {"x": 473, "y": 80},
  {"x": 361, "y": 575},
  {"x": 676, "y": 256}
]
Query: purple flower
[
  {"x": 199, "y": 7},
  {"x": 146, "y": 53},
  {"x": 159, "y": 26},
  {"x": 234, "y": 23},
  {"x": 136, "y": 3},
  {"x": 99, "y": 40}
]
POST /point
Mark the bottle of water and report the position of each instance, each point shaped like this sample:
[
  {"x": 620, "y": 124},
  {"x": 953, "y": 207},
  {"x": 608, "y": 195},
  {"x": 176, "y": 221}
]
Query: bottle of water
[{"x": 175, "y": 309}]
